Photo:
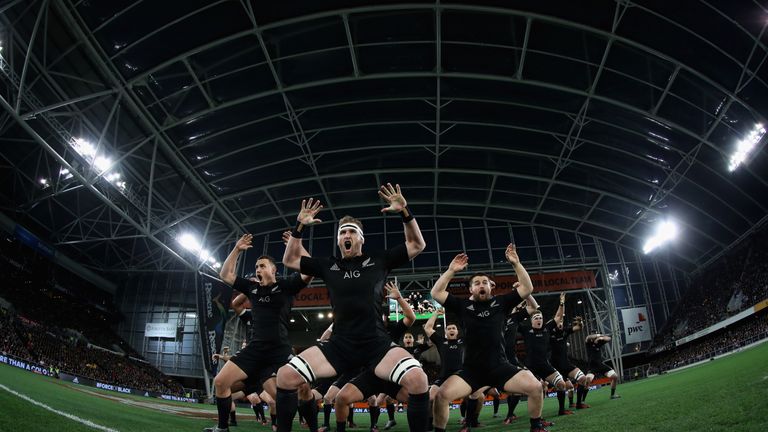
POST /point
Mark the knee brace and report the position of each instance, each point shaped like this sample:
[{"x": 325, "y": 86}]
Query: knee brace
[
  {"x": 403, "y": 366},
  {"x": 302, "y": 368}
]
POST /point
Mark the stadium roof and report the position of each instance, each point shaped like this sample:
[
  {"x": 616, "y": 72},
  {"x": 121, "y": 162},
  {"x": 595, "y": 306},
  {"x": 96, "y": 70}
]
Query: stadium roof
[{"x": 600, "y": 118}]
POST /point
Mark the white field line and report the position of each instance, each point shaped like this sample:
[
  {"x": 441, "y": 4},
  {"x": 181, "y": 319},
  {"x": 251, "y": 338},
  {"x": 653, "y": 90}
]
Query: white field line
[{"x": 61, "y": 413}]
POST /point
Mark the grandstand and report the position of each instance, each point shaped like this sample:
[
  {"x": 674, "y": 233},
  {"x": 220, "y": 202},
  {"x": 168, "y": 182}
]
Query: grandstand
[{"x": 620, "y": 145}]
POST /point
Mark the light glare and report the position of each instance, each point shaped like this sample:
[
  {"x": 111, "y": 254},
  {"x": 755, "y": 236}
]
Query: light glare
[
  {"x": 665, "y": 232},
  {"x": 745, "y": 147}
]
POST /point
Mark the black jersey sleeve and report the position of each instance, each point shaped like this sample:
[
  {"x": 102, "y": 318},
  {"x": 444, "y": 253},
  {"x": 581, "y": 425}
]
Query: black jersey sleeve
[
  {"x": 312, "y": 266},
  {"x": 243, "y": 285},
  {"x": 453, "y": 304},
  {"x": 397, "y": 331},
  {"x": 396, "y": 257},
  {"x": 520, "y": 315},
  {"x": 510, "y": 299},
  {"x": 550, "y": 325},
  {"x": 246, "y": 315},
  {"x": 437, "y": 338},
  {"x": 293, "y": 284}
]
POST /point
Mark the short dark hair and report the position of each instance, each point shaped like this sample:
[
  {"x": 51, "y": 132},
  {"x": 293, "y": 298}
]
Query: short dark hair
[
  {"x": 478, "y": 274},
  {"x": 268, "y": 258},
  {"x": 349, "y": 219},
  {"x": 451, "y": 324}
]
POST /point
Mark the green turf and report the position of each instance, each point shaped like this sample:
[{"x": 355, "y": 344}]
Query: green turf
[{"x": 725, "y": 394}]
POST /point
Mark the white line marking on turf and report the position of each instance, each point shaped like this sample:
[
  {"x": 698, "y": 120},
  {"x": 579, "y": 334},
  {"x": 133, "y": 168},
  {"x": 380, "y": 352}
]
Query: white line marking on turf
[{"x": 61, "y": 413}]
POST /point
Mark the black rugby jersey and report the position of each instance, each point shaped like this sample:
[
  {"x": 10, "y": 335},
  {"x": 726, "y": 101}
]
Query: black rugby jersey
[
  {"x": 537, "y": 343},
  {"x": 356, "y": 287},
  {"x": 451, "y": 353},
  {"x": 270, "y": 306},
  {"x": 558, "y": 342},
  {"x": 510, "y": 331},
  {"x": 483, "y": 324},
  {"x": 593, "y": 351}
]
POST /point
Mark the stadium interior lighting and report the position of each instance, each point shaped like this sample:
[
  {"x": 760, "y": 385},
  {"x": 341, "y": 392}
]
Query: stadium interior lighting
[
  {"x": 191, "y": 315},
  {"x": 579, "y": 302},
  {"x": 293, "y": 320},
  {"x": 744, "y": 147},
  {"x": 101, "y": 163},
  {"x": 320, "y": 315},
  {"x": 330, "y": 314},
  {"x": 665, "y": 232},
  {"x": 189, "y": 242}
]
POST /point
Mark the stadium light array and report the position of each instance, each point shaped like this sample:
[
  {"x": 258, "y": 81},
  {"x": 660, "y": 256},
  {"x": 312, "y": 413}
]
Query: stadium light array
[
  {"x": 102, "y": 163},
  {"x": 744, "y": 147},
  {"x": 665, "y": 232},
  {"x": 189, "y": 242}
]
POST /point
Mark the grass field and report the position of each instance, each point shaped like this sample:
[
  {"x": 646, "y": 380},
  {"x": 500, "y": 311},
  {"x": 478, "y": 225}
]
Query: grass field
[{"x": 725, "y": 394}]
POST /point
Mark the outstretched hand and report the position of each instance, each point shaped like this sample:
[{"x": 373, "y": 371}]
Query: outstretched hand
[
  {"x": 511, "y": 254},
  {"x": 309, "y": 209},
  {"x": 392, "y": 291},
  {"x": 244, "y": 242},
  {"x": 459, "y": 263},
  {"x": 394, "y": 197}
]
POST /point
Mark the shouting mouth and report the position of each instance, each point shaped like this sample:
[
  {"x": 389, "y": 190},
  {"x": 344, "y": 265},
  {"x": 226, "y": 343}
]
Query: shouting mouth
[{"x": 347, "y": 245}]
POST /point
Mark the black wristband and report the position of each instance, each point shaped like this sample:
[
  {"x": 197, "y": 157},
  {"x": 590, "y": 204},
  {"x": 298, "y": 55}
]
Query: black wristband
[
  {"x": 406, "y": 215},
  {"x": 297, "y": 231}
]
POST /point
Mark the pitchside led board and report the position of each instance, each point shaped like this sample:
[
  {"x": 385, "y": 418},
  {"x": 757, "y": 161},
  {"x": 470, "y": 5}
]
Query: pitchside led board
[{"x": 636, "y": 325}]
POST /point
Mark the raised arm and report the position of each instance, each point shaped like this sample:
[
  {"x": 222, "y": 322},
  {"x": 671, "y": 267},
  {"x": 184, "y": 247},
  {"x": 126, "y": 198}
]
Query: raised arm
[
  {"x": 327, "y": 333},
  {"x": 238, "y": 304},
  {"x": 526, "y": 286},
  {"x": 458, "y": 264},
  {"x": 560, "y": 310},
  {"x": 394, "y": 293},
  {"x": 414, "y": 241},
  {"x": 286, "y": 238},
  {"x": 429, "y": 327},
  {"x": 227, "y": 272},
  {"x": 294, "y": 250},
  {"x": 531, "y": 305},
  {"x": 578, "y": 324}
]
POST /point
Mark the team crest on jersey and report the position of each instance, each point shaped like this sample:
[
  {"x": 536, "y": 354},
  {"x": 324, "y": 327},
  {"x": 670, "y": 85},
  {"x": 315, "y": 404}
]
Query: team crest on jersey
[
  {"x": 335, "y": 267},
  {"x": 494, "y": 304},
  {"x": 368, "y": 263},
  {"x": 471, "y": 307},
  {"x": 276, "y": 290}
]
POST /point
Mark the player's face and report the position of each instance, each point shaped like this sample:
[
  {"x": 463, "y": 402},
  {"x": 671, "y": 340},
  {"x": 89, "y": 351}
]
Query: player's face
[
  {"x": 350, "y": 243},
  {"x": 451, "y": 332},
  {"x": 408, "y": 340},
  {"x": 537, "y": 321},
  {"x": 480, "y": 288},
  {"x": 265, "y": 271}
]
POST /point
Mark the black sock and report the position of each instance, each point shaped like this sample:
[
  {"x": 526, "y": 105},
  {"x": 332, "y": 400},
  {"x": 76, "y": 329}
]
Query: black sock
[
  {"x": 233, "y": 417},
  {"x": 536, "y": 422},
  {"x": 613, "y": 391},
  {"x": 579, "y": 394},
  {"x": 463, "y": 408},
  {"x": 561, "y": 400},
  {"x": 512, "y": 402},
  {"x": 258, "y": 409},
  {"x": 351, "y": 416},
  {"x": 273, "y": 418},
  {"x": 430, "y": 420},
  {"x": 584, "y": 395},
  {"x": 327, "y": 408},
  {"x": 223, "y": 405},
  {"x": 287, "y": 405},
  {"x": 496, "y": 403},
  {"x": 391, "y": 411},
  {"x": 570, "y": 397},
  {"x": 341, "y": 426},
  {"x": 308, "y": 410},
  {"x": 471, "y": 409},
  {"x": 418, "y": 411},
  {"x": 373, "y": 412},
  {"x": 479, "y": 402}
]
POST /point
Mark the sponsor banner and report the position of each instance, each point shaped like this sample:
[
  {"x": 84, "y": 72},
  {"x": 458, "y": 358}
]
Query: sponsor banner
[
  {"x": 160, "y": 330},
  {"x": 124, "y": 390},
  {"x": 762, "y": 305},
  {"x": 32, "y": 241},
  {"x": 318, "y": 296},
  {"x": 21, "y": 364},
  {"x": 637, "y": 328},
  {"x": 77, "y": 380},
  {"x": 713, "y": 328},
  {"x": 312, "y": 297},
  {"x": 545, "y": 282},
  {"x": 214, "y": 299}
]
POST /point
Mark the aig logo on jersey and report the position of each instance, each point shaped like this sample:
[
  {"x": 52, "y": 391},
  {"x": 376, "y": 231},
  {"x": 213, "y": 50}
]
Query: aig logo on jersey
[
  {"x": 354, "y": 274},
  {"x": 484, "y": 314},
  {"x": 265, "y": 299}
]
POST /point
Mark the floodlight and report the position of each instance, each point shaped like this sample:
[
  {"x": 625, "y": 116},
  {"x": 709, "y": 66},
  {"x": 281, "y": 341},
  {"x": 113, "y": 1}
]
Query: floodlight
[
  {"x": 744, "y": 147},
  {"x": 665, "y": 231}
]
